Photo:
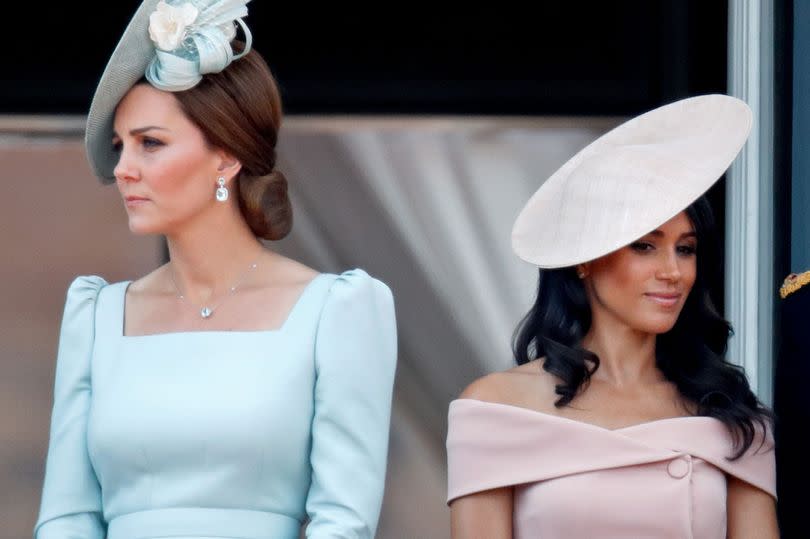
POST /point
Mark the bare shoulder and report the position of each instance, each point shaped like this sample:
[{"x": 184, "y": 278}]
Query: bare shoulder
[
  {"x": 154, "y": 282},
  {"x": 491, "y": 388},
  {"x": 285, "y": 271},
  {"x": 527, "y": 386},
  {"x": 276, "y": 272}
]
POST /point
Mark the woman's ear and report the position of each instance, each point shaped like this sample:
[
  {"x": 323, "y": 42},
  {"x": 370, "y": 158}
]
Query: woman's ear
[{"x": 229, "y": 166}]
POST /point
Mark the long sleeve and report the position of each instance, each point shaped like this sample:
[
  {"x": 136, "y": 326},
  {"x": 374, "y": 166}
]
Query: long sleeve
[
  {"x": 355, "y": 360},
  {"x": 71, "y": 496}
]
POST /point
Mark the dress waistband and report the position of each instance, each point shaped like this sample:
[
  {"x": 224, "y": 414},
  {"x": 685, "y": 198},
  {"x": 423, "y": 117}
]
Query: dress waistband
[{"x": 203, "y": 522}]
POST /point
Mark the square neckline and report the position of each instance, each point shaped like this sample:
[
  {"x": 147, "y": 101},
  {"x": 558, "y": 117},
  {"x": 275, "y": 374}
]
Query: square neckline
[{"x": 290, "y": 315}]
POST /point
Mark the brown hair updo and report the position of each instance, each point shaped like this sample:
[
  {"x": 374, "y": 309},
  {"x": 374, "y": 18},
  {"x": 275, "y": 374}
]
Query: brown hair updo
[{"x": 239, "y": 111}]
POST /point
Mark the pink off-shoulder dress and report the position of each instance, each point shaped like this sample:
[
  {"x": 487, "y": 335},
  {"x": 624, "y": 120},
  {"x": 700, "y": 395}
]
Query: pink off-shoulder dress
[{"x": 662, "y": 479}]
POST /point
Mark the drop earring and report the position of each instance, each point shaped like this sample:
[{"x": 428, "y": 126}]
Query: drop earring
[{"x": 222, "y": 191}]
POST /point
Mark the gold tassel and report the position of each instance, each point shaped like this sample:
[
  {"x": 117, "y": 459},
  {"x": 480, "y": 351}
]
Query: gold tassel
[{"x": 794, "y": 282}]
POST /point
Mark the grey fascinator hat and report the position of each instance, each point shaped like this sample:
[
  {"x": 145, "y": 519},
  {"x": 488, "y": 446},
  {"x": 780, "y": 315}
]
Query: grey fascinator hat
[
  {"x": 631, "y": 180},
  {"x": 172, "y": 43}
]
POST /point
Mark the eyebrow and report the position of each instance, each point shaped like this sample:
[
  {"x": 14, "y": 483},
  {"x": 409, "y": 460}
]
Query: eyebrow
[
  {"x": 657, "y": 233},
  {"x": 141, "y": 130}
]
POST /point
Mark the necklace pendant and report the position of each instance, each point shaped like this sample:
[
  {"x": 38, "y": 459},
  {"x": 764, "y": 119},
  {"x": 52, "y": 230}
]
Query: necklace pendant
[{"x": 205, "y": 312}]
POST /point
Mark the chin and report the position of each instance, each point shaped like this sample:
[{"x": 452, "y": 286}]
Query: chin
[
  {"x": 658, "y": 327},
  {"x": 664, "y": 328},
  {"x": 140, "y": 228},
  {"x": 656, "y": 321}
]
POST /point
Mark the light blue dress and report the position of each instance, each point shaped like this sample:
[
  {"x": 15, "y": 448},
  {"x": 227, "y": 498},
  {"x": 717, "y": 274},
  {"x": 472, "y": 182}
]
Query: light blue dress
[{"x": 222, "y": 434}]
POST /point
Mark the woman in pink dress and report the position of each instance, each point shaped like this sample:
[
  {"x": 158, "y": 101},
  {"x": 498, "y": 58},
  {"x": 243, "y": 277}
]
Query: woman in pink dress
[{"x": 623, "y": 419}]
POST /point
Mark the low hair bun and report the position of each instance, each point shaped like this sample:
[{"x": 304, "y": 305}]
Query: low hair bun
[{"x": 265, "y": 204}]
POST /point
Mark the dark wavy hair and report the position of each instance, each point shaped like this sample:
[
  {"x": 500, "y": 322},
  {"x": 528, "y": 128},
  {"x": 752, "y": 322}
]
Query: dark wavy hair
[{"x": 691, "y": 355}]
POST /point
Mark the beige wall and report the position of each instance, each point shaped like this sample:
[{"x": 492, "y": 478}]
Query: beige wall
[{"x": 56, "y": 223}]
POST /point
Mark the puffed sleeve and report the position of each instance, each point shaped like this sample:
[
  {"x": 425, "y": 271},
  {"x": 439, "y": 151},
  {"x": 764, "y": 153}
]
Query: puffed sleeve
[
  {"x": 71, "y": 496},
  {"x": 355, "y": 360}
]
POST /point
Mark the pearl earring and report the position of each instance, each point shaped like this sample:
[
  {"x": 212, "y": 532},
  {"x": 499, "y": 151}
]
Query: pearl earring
[{"x": 222, "y": 191}]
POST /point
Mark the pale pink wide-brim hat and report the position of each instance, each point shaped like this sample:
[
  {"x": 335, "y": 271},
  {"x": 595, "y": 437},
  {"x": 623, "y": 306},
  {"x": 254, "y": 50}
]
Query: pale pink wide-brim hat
[{"x": 631, "y": 180}]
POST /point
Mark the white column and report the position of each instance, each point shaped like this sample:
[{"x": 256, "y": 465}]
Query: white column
[{"x": 750, "y": 285}]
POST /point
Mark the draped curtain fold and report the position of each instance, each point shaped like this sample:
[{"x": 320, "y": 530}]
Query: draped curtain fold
[{"x": 427, "y": 206}]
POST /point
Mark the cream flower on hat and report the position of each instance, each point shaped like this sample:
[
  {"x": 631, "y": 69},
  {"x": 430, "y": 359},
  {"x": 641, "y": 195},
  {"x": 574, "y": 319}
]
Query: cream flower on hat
[{"x": 168, "y": 24}]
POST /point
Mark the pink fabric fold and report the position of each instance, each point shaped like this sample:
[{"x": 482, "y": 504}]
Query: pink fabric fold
[{"x": 665, "y": 478}]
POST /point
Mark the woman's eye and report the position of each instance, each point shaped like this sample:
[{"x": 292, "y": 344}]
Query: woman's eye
[
  {"x": 151, "y": 143},
  {"x": 641, "y": 246},
  {"x": 687, "y": 249}
]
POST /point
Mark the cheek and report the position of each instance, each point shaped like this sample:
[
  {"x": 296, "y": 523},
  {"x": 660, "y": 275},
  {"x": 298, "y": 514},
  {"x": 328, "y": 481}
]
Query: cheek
[
  {"x": 171, "y": 174},
  {"x": 689, "y": 273},
  {"x": 624, "y": 273},
  {"x": 619, "y": 285},
  {"x": 179, "y": 174}
]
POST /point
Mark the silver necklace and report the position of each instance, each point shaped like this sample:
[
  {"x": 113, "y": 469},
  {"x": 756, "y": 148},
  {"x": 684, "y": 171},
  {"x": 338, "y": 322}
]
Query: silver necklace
[{"x": 206, "y": 311}]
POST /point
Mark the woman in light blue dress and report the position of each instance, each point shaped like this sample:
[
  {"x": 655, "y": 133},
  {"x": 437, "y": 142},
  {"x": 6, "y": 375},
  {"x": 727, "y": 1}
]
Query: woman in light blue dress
[{"x": 232, "y": 392}]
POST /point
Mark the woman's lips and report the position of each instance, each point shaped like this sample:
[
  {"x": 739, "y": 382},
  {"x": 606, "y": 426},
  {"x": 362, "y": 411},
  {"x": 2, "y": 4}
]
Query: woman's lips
[
  {"x": 665, "y": 300},
  {"x": 134, "y": 201}
]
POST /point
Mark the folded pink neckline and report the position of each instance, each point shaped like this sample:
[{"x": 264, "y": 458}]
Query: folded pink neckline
[
  {"x": 650, "y": 423},
  {"x": 503, "y": 442}
]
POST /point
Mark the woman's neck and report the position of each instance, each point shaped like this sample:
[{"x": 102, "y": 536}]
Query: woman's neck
[
  {"x": 626, "y": 355},
  {"x": 208, "y": 255}
]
